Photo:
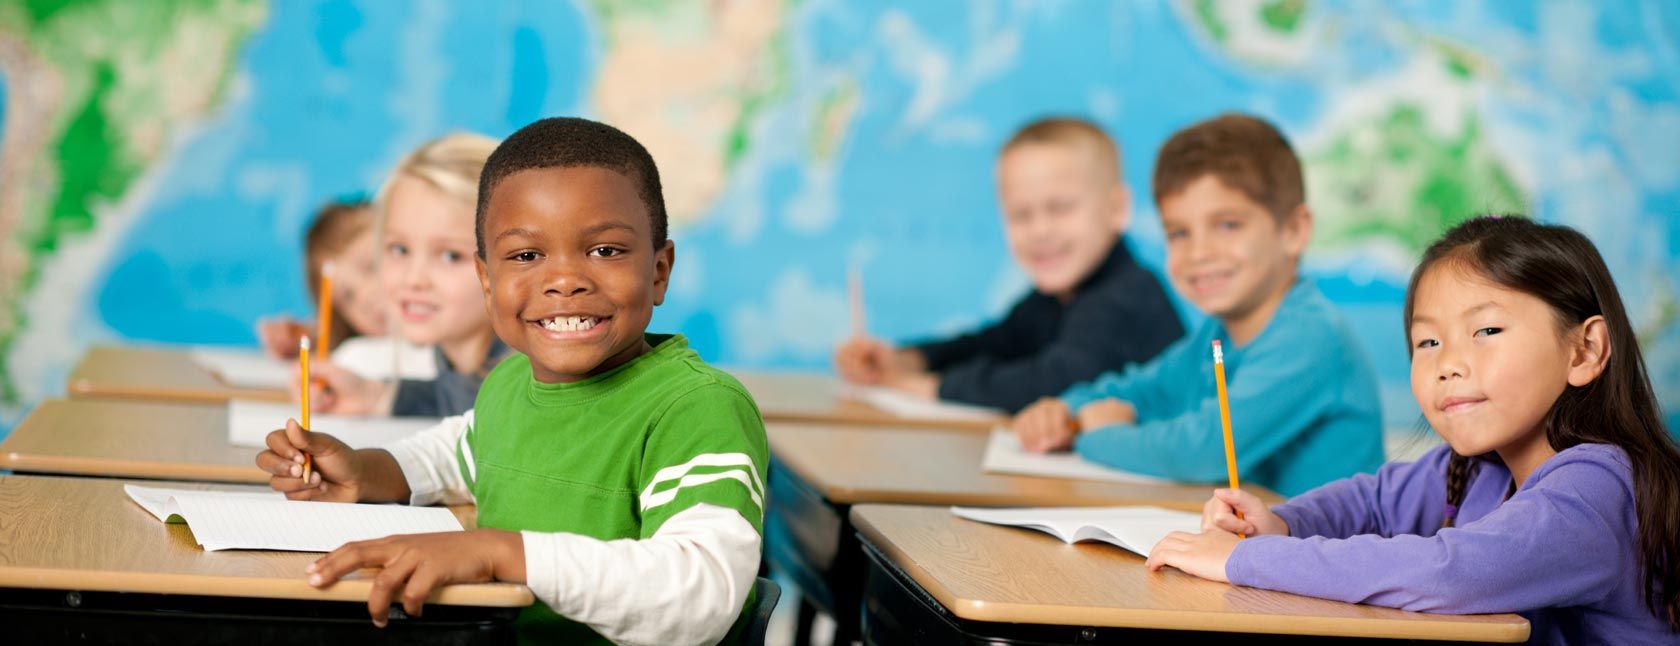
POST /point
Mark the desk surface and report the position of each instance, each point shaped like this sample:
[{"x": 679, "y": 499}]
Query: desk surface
[
  {"x": 155, "y": 373},
  {"x": 85, "y": 534},
  {"x": 129, "y": 439},
  {"x": 811, "y": 397},
  {"x": 854, "y": 464},
  {"x": 1010, "y": 575}
]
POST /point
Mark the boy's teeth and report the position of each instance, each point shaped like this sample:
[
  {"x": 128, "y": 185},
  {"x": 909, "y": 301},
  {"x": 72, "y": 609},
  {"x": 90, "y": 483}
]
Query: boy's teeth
[{"x": 570, "y": 323}]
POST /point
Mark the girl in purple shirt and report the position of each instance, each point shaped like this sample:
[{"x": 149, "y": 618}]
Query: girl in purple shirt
[{"x": 1555, "y": 496}]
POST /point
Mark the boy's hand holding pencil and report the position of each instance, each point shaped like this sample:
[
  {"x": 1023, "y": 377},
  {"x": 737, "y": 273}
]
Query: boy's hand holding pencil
[{"x": 335, "y": 471}]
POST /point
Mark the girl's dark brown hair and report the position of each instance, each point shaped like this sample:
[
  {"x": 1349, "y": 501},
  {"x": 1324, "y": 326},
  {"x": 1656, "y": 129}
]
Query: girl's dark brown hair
[{"x": 1558, "y": 265}]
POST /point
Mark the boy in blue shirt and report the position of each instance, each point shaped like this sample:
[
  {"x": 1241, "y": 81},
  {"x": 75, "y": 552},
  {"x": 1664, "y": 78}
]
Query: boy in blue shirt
[{"x": 1303, "y": 399}]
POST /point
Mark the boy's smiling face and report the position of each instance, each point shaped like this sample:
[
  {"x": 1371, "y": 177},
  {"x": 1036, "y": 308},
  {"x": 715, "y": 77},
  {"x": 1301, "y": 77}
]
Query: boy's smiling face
[
  {"x": 1062, "y": 210},
  {"x": 1226, "y": 253},
  {"x": 570, "y": 275}
]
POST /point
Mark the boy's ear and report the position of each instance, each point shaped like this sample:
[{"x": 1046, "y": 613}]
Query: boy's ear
[
  {"x": 1297, "y": 230},
  {"x": 1121, "y": 215},
  {"x": 483, "y": 275},
  {"x": 663, "y": 260},
  {"x": 1592, "y": 352}
]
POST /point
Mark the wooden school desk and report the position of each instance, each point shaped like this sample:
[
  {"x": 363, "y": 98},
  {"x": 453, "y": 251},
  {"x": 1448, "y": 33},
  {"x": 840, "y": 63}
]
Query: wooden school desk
[
  {"x": 129, "y": 439},
  {"x": 80, "y": 561},
  {"x": 155, "y": 373},
  {"x": 817, "y": 398},
  {"x": 936, "y": 578},
  {"x": 817, "y": 472}
]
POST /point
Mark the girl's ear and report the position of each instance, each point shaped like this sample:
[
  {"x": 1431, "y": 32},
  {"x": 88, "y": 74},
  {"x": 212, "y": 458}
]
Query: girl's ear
[{"x": 1591, "y": 354}]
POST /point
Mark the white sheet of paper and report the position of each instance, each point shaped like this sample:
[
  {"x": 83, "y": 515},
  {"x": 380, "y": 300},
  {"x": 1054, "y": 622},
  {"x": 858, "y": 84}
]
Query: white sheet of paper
[
  {"x": 1005, "y": 455},
  {"x": 904, "y": 405},
  {"x": 223, "y": 520},
  {"x": 1137, "y": 529},
  {"x": 244, "y": 368},
  {"x": 249, "y": 423},
  {"x": 153, "y": 499}
]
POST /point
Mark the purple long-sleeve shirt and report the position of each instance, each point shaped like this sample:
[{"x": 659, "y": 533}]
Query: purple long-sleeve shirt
[{"x": 1562, "y": 551}]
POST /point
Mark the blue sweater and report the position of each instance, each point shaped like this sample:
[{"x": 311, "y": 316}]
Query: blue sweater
[{"x": 1304, "y": 406}]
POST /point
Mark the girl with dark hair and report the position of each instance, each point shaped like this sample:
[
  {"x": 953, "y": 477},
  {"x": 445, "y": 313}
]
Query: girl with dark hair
[{"x": 1555, "y": 495}]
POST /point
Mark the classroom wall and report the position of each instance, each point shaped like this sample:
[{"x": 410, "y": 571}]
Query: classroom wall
[{"x": 159, "y": 160}]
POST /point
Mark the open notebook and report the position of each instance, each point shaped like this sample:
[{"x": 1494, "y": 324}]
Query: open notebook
[
  {"x": 1137, "y": 529},
  {"x": 222, "y": 520},
  {"x": 1005, "y": 455},
  {"x": 910, "y": 407},
  {"x": 250, "y": 422},
  {"x": 244, "y": 368}
]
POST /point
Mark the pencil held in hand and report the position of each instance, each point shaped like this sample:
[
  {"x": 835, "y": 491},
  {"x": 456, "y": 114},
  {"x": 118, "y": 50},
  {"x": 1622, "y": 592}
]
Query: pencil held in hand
[
  {"x": 323, "y": 322},
  {"x": 1225, "y": 418},
  {"x": 303, "y": 416}
]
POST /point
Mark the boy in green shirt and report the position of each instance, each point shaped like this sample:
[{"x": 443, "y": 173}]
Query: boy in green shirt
[{"x": 615, "y": 473}]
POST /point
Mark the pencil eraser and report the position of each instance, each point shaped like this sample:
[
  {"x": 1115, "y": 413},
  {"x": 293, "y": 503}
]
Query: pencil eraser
[{"x": 303, "y": 343}]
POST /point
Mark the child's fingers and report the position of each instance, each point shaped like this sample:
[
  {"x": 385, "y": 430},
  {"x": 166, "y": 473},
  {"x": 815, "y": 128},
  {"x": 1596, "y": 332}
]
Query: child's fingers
[
  {"x": 294, "y": 488},
  {"x": 1240, "y": 500},
  {"x": 1163, "y": 552},
  {"x": 419, "y": 587},
  {"x": 271, "y": 463},
  {"x": 280, "y": 443},
  {"x": 344, "y": 560},
  {"x": 297, "y": 436},
  {"x": 385, "y": 586}
]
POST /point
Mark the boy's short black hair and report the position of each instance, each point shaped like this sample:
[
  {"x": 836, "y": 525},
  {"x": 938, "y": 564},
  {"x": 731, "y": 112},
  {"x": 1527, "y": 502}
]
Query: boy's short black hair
[{"x": 563, "y": 142}]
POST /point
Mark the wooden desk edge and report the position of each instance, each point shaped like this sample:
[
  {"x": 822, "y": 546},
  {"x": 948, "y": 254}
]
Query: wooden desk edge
[
  {"x": 1442, "y": 627},
  {"x": 118, "y": 468},
  {"x": 494, "y": 595},
  {"x": 82, "y": 387},
  {"x": 881, "y": 418}
]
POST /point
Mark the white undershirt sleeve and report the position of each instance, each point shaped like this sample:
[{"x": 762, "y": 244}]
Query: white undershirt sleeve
[
  {"x": 684, "y": 585},
  {"x": 428, "y": 463}
]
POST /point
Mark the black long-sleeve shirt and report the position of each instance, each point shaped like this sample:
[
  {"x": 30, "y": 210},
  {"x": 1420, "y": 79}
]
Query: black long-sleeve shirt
[{"x": 1118, "y": 315}]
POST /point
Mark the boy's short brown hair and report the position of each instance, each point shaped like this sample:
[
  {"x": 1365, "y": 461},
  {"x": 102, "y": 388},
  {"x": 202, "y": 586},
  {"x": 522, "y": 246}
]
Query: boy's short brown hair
[
  {"x": 1069, "y": 131},
  {"x": 1246, "y": 153}
]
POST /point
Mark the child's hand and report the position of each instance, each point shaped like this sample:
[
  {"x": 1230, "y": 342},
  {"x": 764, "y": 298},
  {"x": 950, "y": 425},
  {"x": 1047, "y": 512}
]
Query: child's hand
[
  {"x": 1203, "y": 554},
  {"x": 862, "y": 360},
  {"x": 1046, "y": 425},
  {"x": 1106, "y": 412},
  {"x": 417, "y": 564},
  {"x": 335, "y": 390},
  {"x": 337, "y": 472},
  {"x": 279, "y": 336},
  {"x": 1220, "y": 513}
]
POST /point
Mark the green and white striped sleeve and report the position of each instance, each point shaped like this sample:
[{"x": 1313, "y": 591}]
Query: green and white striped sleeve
[{"x": 707, "y": 448}]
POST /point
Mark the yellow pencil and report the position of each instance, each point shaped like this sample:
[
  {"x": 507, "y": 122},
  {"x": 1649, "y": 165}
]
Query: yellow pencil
[
  {"x": 323, "y": 322},
  {"x": 303, "y": 416},
  {"x": 1225, "y": 418}
]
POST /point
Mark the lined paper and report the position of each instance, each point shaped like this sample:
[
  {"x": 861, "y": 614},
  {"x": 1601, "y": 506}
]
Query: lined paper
[
  {"x": 224, "y": 520},
  {"x": 1005, "y": 455},
  {"x": 909, "y": 406},
  {"x": 1136, "y": 528},
  {"x": 250, "y": 422},
  {"x": 243, "y": 368}
]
